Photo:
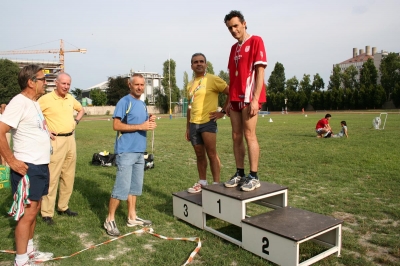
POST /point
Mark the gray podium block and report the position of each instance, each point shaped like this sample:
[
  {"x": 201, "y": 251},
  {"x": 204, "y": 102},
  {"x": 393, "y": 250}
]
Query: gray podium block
[
  {"x": 188, "y": 207},
  {"x": 277, "y": 235}
]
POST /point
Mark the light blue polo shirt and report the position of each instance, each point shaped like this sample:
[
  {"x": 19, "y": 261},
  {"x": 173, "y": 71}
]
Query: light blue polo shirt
[{"x": 133, "y": 112}]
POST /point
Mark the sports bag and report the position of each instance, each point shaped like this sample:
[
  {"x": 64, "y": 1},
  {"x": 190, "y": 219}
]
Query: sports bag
[{"x": 103, "y": 159}]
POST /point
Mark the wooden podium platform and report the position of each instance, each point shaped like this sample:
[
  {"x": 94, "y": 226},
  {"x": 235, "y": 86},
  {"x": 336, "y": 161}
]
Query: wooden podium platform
[
  {"x": 274, "y": 235},
  {"x": 229, "y": 204},
  {"x": 277, "y": 235},
  {"x": 188, "y": 207}
]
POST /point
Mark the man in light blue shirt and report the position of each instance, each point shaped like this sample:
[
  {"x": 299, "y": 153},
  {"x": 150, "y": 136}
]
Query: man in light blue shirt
[{"x": 131, "y": 121}]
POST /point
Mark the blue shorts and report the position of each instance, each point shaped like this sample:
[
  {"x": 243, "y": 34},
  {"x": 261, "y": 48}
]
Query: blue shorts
[
  {"x": 197, "y": 129},
  {"x": 38, "y": 179},
  {"x": 130, "y": 173}
]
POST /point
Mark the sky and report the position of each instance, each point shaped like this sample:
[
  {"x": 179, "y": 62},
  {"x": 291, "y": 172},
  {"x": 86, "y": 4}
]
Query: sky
[{"x": 307, "y": 37}]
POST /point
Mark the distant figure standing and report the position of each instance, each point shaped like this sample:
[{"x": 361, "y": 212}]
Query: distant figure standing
[
  {"x": 58, "y": 108},
  {"x": 246, "y": 65},
  {"x": 343, "y": 131},
  {"x": 323, "y": 128}
]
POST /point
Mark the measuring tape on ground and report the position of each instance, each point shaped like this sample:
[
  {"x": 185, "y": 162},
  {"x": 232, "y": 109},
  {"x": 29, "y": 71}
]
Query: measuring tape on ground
[{"x": 143, "y": 230}]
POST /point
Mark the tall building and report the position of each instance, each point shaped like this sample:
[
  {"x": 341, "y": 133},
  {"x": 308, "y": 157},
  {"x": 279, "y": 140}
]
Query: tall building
[
  {"x": 51, "y": 69},
  {"x": 153, "y": 81},
  {"x": 361, "y": 57}
]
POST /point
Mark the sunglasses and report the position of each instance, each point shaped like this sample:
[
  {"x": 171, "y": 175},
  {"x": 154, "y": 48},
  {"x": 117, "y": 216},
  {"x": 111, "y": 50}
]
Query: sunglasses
[{"x": 42, "y": 79}]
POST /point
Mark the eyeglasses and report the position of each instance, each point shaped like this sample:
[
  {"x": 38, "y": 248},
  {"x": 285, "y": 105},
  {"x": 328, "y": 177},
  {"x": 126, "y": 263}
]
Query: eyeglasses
[{"x": 42, "y": 79}]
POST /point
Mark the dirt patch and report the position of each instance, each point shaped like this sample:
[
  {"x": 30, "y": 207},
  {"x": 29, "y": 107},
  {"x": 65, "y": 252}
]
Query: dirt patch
[
  {"x": 149, "y": 247},
  {"x": 346, "y": 217},
  {"x": 374, "y": 251},
  {"x": 83, "y": 238}
]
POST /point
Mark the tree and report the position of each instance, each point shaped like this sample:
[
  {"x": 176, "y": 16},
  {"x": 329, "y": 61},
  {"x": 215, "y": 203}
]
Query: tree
[
  {"x": 368, "y": 74},
  {"x": 210, "y": 68},
  {"x": 390, "y": 73},
  {"x": 334, "y": 81},
  {"x": 161, "y": 101},
  {"x": 316, "y": 100},
  {"x": 318, "y": 83},
  {"x": 222, "y": 96},
  {"x": 292, "y": 102},
  {"x": 185, "y": 84},
  {"x": 171, "y": 91},
  {"x": 117, "y": 88},
  {"x": 77, "y": 93},
  {"x": 396, "y": 95},
  {"x": 292, "y": 84},
  {"x": 349, "y": 78},
  {"x": 305, "y": 85},
  {"x": 8, "y": 80},
  {"x": 276, "y": 81},
  {"x": 99, "y": 97}
]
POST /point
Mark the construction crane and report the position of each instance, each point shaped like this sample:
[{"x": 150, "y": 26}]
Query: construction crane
[{"x": 60, "y": 52}]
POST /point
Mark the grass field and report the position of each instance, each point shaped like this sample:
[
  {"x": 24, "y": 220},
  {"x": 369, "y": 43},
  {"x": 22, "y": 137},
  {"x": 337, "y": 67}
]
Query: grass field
[{"x": 355, "y": 179}]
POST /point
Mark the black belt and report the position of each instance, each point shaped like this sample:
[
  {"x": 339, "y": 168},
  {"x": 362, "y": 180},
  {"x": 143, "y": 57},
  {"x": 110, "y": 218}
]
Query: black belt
[{"x": 65, "y": 134}]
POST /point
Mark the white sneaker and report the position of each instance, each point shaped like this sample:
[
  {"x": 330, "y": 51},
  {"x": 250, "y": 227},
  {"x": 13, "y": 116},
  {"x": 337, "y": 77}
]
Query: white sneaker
[
  {"x": 37, "y": 255},
  {"x": 195, "y": 189},
  {"x": 250, "y": 184},
  {"x": 138, "y": 221},
  {"x": 111, "y": 228},
  {"x": 27, "y": 263}
]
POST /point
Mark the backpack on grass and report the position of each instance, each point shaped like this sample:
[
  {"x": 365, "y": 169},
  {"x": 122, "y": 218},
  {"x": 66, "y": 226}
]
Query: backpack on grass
[{"x": 103, "y": 159}]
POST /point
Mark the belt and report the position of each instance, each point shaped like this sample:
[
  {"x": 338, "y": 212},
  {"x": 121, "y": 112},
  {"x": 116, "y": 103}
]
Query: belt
[{"x": 65, "y": 134}]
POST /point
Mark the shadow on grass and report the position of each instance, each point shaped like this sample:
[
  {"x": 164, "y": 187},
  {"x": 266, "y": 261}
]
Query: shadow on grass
[
  {"x": 95, "y": 195},
  {"x": 166, "y": 207}
]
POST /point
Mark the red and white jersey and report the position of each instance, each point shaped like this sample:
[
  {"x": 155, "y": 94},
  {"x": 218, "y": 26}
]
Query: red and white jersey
[{"x": 242, "y": 71}]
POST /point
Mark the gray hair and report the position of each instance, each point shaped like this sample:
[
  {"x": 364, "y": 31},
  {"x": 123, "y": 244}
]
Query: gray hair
[{"x": 62, "y": 73}]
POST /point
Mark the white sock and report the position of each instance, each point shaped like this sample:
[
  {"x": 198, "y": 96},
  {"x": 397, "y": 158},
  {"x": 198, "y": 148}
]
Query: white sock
[
  {"x": 215, "y": 183},
  {"x": 30, "y": 247},
  {"x": 203, "y": 182},
  {"x": 20, "y": 259}
]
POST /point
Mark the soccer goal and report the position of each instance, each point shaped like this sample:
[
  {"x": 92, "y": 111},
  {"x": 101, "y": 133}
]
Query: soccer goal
[{"x": 377, "y": 121}]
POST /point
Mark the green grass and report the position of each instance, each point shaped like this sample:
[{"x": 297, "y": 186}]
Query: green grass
[{"x": 355, "y": 179}]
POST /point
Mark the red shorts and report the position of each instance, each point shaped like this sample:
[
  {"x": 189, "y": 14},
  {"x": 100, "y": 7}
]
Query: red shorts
[{"x": 239, "y": 106}]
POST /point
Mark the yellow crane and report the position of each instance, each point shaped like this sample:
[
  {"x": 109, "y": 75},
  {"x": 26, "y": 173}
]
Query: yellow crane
[{"x": 60, "y": 52}]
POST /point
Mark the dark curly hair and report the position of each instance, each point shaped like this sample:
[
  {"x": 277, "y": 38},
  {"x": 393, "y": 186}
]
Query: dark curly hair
[{"x": 234, "y": 13}]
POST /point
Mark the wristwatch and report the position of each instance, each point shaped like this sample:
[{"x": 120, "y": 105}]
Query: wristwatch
[
  {"x": 222, "y": 111},
  {"x": 77, "y": 121}
]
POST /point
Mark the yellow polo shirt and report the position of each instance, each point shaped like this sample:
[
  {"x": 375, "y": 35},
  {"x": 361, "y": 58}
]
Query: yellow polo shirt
[
  {"x": 205, "y": 97},
  {"x": 59, "y": 112}
]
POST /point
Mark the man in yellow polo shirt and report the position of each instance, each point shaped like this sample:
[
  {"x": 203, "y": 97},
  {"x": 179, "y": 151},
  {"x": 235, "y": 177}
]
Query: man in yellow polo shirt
[
  {"x": 58, "y": 108},
  {"x": 202, "y": 114}
]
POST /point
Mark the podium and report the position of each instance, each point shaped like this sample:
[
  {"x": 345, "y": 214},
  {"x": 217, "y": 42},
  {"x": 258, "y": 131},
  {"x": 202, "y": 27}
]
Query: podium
[
  {"x": 229, "y": 204},
  {"x": 274, "y": 235},
  {"x": 277, "y": 235}
]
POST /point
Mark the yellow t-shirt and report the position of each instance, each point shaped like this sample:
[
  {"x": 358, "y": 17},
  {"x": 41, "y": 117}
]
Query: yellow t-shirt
[
  {"x": 205, "y": 97},
  {"x": 59, "y": 112}
]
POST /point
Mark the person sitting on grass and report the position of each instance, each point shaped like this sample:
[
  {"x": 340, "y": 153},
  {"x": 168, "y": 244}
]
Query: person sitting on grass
[
  {"x": 323, "y": 128},
  {"x": 342, "y": 132}
]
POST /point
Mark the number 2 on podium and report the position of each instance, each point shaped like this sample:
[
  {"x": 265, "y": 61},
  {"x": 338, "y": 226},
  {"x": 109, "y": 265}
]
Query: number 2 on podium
[{"x": 265, "y": 246}]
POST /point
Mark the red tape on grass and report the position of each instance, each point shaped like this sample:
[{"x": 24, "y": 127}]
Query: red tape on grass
[{"x": 143, "y": 230}]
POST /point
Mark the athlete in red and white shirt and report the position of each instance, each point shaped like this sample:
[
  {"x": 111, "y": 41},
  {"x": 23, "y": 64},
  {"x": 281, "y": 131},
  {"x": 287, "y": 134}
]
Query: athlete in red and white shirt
[
  {"x": 246, "y": 66},
  {"x": 242, "y": 64}
]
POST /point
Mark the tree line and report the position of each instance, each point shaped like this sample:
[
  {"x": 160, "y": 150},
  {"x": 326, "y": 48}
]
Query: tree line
[{"x": 348, "y": 89}]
